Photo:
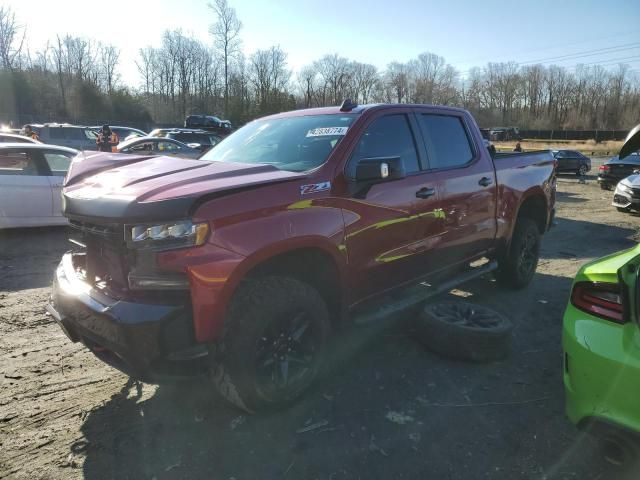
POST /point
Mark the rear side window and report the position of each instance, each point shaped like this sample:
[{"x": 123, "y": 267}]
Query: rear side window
[
  {"x": 14, "y": 162},
  {"x": 58, "y": 163},
  {"x": 388, "y": 136},
  {"x": 446, "y": 140}
]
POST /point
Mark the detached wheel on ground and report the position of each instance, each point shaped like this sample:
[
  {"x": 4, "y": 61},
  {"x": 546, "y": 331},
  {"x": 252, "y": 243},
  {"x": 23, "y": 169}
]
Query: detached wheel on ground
[
  {"x": 273, "y": 343},
  {"x": 464, "y": 331},
  {"x": 517, "y": 267}
]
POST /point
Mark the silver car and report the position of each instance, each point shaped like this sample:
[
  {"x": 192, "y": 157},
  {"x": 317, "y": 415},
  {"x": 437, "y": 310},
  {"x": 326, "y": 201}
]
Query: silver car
[{"x": 65, "y": 135}]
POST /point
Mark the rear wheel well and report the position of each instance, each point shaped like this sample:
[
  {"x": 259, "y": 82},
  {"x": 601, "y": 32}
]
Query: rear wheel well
[
  {"x": 312, "y": 266},
  {"x": 535, "y": 208}
]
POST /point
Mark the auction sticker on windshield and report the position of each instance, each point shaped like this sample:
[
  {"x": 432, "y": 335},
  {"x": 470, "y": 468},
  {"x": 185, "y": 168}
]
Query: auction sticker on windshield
[{"x": 327, "y": 131}]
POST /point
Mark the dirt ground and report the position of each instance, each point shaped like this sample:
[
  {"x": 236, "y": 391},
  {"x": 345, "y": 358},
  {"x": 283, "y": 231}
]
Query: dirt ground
[
  {"x": 587, "y": 147},
  {"x": 389, "y": 410}
]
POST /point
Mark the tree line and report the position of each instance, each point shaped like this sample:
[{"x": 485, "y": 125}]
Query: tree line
[{"x": 77, "y": 79}]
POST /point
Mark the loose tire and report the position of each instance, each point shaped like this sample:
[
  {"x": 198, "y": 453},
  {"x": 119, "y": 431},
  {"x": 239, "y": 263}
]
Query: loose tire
[
  {"x": 517, "y": 267},
  {"x": 273, "y": 343},
  {"x": 464, "y": 331}
]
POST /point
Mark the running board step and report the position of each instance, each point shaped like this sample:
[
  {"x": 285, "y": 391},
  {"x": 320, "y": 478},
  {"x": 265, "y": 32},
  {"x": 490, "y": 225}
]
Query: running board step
[{"x": 417, "y": 294}]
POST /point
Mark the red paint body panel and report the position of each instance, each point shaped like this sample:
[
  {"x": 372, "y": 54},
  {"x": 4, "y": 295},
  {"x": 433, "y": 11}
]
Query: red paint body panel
[{"x": 377, "y": 239}]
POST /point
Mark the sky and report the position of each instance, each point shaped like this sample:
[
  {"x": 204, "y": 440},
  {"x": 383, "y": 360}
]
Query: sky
[{"x": 466, "y": 33}]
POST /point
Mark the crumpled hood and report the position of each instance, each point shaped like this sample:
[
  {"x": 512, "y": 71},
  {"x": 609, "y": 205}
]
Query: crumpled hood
[{"x": 115, "y": 186}]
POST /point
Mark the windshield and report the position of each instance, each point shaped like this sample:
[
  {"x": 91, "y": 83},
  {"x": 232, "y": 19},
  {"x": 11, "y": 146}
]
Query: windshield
[{"x": 295, "y": 144}]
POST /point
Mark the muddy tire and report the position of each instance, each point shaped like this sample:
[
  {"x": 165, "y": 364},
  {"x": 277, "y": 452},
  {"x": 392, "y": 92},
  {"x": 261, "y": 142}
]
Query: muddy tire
[
  {"x": 273, "y": 343},
  {"x": 464, "y": 331},
  {"x": 518, "y": 266}
]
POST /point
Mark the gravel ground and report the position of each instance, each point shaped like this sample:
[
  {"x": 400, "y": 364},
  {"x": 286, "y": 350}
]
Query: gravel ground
[{"x": 388, "y": 409}]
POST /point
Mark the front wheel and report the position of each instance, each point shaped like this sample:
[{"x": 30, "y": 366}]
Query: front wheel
[
  {"x": 623, "y": 210},
  {"x": 582, "y": 171},
  {"x": 273, "y": 344},
  {"x": 604, "y": 186},
  {"x": 518, "y": 266}
]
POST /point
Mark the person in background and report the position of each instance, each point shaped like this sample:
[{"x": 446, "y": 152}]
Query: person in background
[
  {"x": 518, "y": 147},
  {"x": 107, "y": 140},
  {"x": 28, "y": 132}
]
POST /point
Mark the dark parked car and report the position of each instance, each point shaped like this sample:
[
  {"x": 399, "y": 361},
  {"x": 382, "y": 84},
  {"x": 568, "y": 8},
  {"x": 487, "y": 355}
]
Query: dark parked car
[
  {"x": 572, "y": 161},
  {"x": 158, "y": 146},
  {"x": 200, "y": 139},
  {"x": 209, "y": 123},
  {"x": 615, "y": 170}
]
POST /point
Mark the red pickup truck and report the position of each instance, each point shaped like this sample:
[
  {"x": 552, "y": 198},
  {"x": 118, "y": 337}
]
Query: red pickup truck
[{"x": 243, "y": 262}]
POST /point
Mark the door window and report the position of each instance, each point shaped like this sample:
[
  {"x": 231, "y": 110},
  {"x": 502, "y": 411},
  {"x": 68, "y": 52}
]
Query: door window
[
  {"x": 167, "y": 147},
  {"x": 17, "y": 163},
  {"x": 58, "y": 163},
  {"x": 389, "y": 136},
  {"x": 447, "y": 141}
]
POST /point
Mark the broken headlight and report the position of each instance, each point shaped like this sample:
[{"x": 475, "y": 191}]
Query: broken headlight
[{"x": 168, "y": 236}]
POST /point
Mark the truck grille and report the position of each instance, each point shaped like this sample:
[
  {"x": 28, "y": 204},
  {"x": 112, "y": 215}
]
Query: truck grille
[
  {"x": 107, "y": 259},
  {"x": 110, "y": 231}
]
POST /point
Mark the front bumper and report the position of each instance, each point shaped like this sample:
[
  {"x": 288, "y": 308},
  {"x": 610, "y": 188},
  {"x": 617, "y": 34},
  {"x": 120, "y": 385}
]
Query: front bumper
[
  {"x": 148, "y": 341},
  {"x": 624, "y": 199},
  {"x": 601, "y": 371}
]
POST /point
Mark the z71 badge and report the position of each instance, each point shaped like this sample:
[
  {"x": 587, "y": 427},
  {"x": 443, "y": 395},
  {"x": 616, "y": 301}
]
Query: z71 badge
[{"x": 315, "y": 188}]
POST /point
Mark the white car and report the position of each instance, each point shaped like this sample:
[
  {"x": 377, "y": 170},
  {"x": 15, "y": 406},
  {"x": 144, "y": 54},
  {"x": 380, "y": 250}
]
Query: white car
[
  {"x": 14, "y": 138},
  {"x": 31, "y": 178}
]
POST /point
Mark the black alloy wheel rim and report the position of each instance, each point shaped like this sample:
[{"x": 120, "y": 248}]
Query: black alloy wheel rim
[
  {"x": 528, "y": 255},
  {"x": 583, "y": 170},
  {"x": 465, "y": 315},
  {"x": 285, "y": 354}
]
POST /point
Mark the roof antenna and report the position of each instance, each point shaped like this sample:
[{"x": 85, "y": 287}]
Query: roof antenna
[{"x": 348, "y": 105}]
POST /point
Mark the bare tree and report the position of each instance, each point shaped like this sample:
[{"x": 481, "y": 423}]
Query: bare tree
[
  {"x": 12, "y": 38},
  {"x": 226, "y": 33},
  {"x": 109, "y": 56}
]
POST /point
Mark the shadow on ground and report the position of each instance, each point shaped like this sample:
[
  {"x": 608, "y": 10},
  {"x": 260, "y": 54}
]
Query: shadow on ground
[{"x": 387, "y": 409}]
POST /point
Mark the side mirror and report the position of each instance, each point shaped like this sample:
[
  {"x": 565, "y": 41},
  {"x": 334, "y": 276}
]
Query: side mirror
[{"x": 379, "y": 169}]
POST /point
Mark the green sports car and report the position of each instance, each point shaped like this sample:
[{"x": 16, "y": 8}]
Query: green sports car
[{"x": 601, "y": 342}]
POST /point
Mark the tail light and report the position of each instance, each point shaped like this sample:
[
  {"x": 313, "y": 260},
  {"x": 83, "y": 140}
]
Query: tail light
[
  {"x": 604, "y": 168},
  {"x": 603, "y": 300}
]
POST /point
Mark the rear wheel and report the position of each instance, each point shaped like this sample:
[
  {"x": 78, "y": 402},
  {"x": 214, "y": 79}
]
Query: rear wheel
[
  {"x": 273, "y": 344},
  {"x": 518, "y": 266}
]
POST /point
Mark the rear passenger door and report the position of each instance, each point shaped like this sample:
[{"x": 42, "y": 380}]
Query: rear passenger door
[
  {"x": 385, "y": 232},
  {"x": 465, "y": 180},
  {"x": 25, "y": 191},
  {"x": 57, "y": 164}
]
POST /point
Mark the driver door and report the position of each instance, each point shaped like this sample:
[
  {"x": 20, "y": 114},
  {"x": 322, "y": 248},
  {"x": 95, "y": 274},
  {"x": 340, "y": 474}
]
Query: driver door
[{"x": 385, "y": 230}]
